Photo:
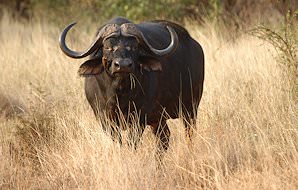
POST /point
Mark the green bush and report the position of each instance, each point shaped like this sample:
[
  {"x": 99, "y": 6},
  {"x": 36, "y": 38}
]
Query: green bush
[
  {"x": 137, "y": 10},
  {"x": 285, "y": 40},
  {"x": 231, "y": 12}
]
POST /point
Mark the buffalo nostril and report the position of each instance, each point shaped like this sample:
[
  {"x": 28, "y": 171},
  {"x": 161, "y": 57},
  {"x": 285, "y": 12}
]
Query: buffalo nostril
[{"x": 117, "y": 64}]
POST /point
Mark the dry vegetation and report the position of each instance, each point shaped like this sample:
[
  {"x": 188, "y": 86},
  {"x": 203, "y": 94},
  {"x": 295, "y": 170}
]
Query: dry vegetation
[{"x": 247, "y": 125}]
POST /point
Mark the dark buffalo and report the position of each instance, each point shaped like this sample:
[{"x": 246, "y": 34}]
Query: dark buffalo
[{"x": 151, "y": 71}]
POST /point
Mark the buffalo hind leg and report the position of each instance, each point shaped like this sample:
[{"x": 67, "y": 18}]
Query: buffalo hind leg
[
  {"x": 190, "y": 127},
  {"x": 162, "y": 133}
]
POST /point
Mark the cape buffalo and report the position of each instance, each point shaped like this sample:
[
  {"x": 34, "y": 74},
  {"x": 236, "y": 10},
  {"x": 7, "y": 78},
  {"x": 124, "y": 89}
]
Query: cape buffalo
[{"x": 153, "y": 69}]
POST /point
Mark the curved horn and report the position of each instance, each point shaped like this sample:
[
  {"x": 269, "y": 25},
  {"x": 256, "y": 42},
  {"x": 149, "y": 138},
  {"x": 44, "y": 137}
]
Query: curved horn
[
  {"x": 171, "y": 47},
  {"x": 107, "y": 30},
  {"x": 130, "y": 29}
]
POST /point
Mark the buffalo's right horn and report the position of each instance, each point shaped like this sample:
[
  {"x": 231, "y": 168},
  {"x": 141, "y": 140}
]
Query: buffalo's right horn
[{"x": 104, "y": 32}]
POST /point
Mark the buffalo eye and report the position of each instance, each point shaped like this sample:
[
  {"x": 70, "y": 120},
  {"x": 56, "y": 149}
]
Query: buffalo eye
[
  {"x": 115, "y": 48},
  {"x": 128, "y": 48},
  {"x": 108, "y": 48}
]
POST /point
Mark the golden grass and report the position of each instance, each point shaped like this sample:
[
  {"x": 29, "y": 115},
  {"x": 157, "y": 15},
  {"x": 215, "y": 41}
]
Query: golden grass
[{"x": 247, "y": 127}]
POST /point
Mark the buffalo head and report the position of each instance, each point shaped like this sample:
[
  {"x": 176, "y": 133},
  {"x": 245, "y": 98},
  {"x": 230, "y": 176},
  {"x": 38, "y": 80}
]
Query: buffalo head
[{"x": 118, "y": 49}]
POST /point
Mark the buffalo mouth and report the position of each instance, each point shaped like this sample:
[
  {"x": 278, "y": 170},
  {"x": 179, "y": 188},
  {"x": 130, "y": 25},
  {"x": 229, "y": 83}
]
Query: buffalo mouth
[
  {"x": 121, "y": 74},
  {"x": 122, "y": 66}
]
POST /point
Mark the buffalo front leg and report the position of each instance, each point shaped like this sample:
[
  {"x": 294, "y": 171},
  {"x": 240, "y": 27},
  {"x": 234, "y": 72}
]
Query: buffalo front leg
[
  {"x": 112, "y": 128},
  {"x": 162, "y": 133},
  {"x": 134, "y": 135},
  {"x": 116, "y": 134}
]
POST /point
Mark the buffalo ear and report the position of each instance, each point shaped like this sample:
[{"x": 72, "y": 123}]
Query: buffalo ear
[
  {"x": 91, "y": 67},
  {"x": 151, "y": 64}
]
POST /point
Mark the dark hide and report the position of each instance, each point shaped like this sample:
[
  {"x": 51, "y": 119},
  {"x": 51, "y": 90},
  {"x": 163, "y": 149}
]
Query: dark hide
[{"x": 163, "y": 85}]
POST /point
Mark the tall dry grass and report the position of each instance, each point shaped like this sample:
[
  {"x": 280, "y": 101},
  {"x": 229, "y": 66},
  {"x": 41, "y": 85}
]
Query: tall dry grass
[{"x": 247, "y": 125}]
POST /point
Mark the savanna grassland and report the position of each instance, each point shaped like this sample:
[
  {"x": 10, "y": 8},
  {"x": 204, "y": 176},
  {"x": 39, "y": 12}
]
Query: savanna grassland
[{"x": 246, "y": 135}]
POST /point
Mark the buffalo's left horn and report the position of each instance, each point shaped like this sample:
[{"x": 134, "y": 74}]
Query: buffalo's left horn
[
  {"x": 131, "y": 29},
  {"x": 171, "y": 47}
]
